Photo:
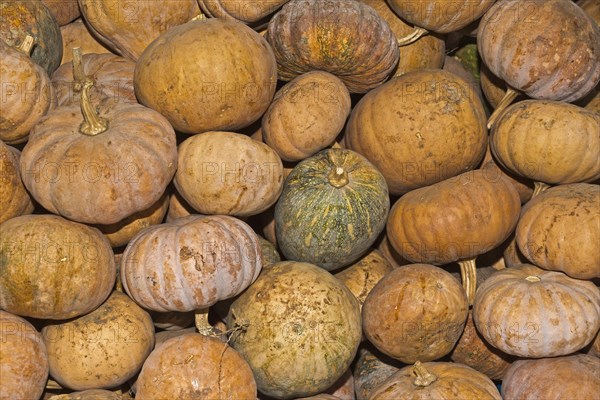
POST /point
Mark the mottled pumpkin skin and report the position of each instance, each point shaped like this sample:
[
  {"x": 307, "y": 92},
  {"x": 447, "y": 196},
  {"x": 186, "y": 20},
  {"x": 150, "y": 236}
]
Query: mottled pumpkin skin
[
  {"x": 330, "y": 226},
  {"x": 419, "y": 128},
  {"x": 20, "y": 18},
  {"x": 559, "y": 230},
  {"x": 102, "y": 349},
  {"x": 529, "y": 312},
  {"x": 77, "y": 34},
  {"x": 302, "y": 329},
  {"x": 247, "y": 11},
  {"x": 64, "y": 11},
  {"x": 371, "y": 369},
  {"x": 571, "y": 377},
  {"x": 14, "y": 199},
  {"x": 547, "y": 49},
  {"x": 346, "y": 38},
  {"x": 23, "y": 359}
]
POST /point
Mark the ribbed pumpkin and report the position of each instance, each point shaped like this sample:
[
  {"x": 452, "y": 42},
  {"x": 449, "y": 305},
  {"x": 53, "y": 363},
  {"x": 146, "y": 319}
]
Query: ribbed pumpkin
[
  {"x": 345, "y": 37},
  {"x": 253, "y": 13},
  {"x": 370, "y": 370},
  {"x": 419, "y": 128},
  {"x": 14, "y": 199},
  {"x": 77, "y": 34},
  {"x": 332, "y": 208},
  {"x": 53, "y": 268},
  {"x": 529, "y": 312},
  {"x": 559, "y": 230}
]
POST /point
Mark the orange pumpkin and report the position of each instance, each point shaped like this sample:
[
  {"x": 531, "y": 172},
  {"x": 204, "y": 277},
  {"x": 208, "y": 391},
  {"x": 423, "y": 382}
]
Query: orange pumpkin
[
  {"x": 77, "y": 34},
  {"x": 14, "y": 199}
]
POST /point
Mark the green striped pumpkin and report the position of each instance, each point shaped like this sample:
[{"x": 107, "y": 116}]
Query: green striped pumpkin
[{"x": 333, "y": 206}]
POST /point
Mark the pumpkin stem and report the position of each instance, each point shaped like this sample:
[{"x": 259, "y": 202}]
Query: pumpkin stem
[
  {"x": 26, "y": 45},
  {"x": 202, "y": 324},
  {"x": 412, "y": 37},
  {"x": 538, "y": 188},
  {"x": 510, "y": 95},
  {"x": 424, "y": 378},
  {"x": 92, "y": 124},
  {"x": 78, "y": 73},
  {"x": 338, "y": 177},
  {"x": 468, "y": 273}
]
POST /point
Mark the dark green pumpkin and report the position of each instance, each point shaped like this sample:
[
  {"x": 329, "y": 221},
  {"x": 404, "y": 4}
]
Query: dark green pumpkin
[{"x": 333, "y": 206}]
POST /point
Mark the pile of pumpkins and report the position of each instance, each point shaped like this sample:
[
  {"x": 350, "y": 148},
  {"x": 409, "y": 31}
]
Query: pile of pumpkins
[{"x": 292, "y": 199}]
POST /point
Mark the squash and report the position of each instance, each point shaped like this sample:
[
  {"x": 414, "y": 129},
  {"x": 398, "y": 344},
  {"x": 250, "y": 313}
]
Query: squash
[
  {"x": 306, "y": 115},
  {"x": 526, "y": 311},
  {"x": 178, "y": 207},
  {"x": 512, "y": 255},
  {"x": 162, "y": 336},
  {"x": 371, "y": 368},
  {"x": 102, "y": 349},
  {"x": 270, "y": 255},
  {"x": 32, "y": 17},
  {"x": 419, "y": 128},
  {"x": 494, "y": 89},
  {"x": 437, "y": 380},
  {"x": 571, "y": 377},
  {"x": 228, "y": 173},
  {"x": 23, "y": 359},
  {"x": 389, "y": 252},
  {"x": 591, "y": 7},
  {"x": 172, "y": 321},
  {"x": 253, "y": 13},
  {"x": 64, "y": 11},
  {"x": 77, "y": 34},
  {"x": 594, "y": 347},
  {"x": 454, "y": 65},
  {"x": 415, "y": 313},
  {"x": 127, "y": 28},
  {"x": 298, "y": 327},
  {"x": 14, "y": 199},
  {"x": 346, "y": 38},
  {"x": 90, "y": 394},
  {"x": 559, "y": 230},
  {"x": 493, "y": 169},
  {"x": 26, "y": 92},
  {"x": 176, "y": 76},
  {"x": 343, "y": 388},
  {"x": 53, "y": 268},
  {"x": 332, "y": 208}
]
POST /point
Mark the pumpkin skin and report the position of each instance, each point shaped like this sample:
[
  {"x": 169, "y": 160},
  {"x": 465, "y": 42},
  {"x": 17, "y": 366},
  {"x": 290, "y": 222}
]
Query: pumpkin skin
[
  {"x": 228, "y": 173},
  {"x": 520, "y": 141},
  {"x": 370, "y": 370},
  {"x": 346, "y": 38},
  {"x": 231, "y": 97},
  {"x": 454, "y": 381},
  {"x": 102, "y": 349},
  {"x": 591, "y": 8},
  {"x": 77, "y": 34},
  {"x": 548, "y": 50},
  {"x": 32, "y": 17},
  {"x": 53, "y": 268},
  {"x": 90, "y": 394},
  {"x": 14, "y": 199},
  {"x": 493, "y": 169},
  {"x": 419, "y": 128},
  {"x": 26, "y": 93},
  {"x": 559, "y": 230},
  {"x": 555, "y": 315},
  {"x": 300, "y": 329},
  {"x": 270, "y": 255},
  {"x": 332, "y": 208},
  {"x": 178, "y": 207},
  {"x": 23, "y": 359},
  {"x": 343, "y": 388},
  {"x": 190, "y": 263},
  {"x": 390, "y": 253},
  {"x": 248, "y": 12},
  {"x": 415, "y": 313},
  {"x": 64, "y": 11},
  {"x": 594, "y": 348},
  {"x": 570, "y": 377}
]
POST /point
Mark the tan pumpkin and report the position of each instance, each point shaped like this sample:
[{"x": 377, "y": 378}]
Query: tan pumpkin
[
  {"x": 176, "y": 76},
  {"x": 77, "y": 34},
  {"x": 253, "y": 13},
  {"x": 102, "y": 349},
  {"x": 178, "y": 207},
  {"x": 493, "y": 169},
  {"x": 53, "y": 268},
  {"x": 228, "y": 173},
  {"x": 26, "y": 92},
  {"x": 454, "y": 65},
  {"x": 371, "y": 368},
  {"x": 559, "y": 230},
  {"x": 419, "y": 128},
  {"x": 415, "y": 313},
  {"x": 14, "y": 199},
  {"x": 346, "y": 38},
  {"x": 571, "y": 377},
  {"x": 162, "y": 336},
  {"x": 306, "y": 115},
  {"x": 529, "y": 312},
  {"x": 388, "y": 251},
  {"x": 23, "y": 359},
  {"x": 64, "y": 11}
]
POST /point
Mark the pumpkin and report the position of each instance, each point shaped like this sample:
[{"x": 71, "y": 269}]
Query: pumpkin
[
  {"x": 456, "y": 66},
  {"x": 298, "y": 327},
  {"x": 162, "y": 336},
  {"x": 343, "y": 388},
  {"x": 572, "y": 377},
  {"x": 592, "y": 100},
  {"x": 389, "y": 252},
  {"x": 479, "y": 212},
  {"x": 332, "y": 208},
  {"x": 493, "y": 169},
  {"x": 90, "y": 394},
  {"x": 419, "y": 128},
  {"x": 176, "y": 76},
  {"x": 128, "y": 28},
  {"x": 306, "y": 115},
  {"x": 178, "y": 207},
  {"x": 77, "y": 34},
  {"x": 559, "y": 230},
  {"x": 172, "y": 321},
  {"x": 415, "y": 313},
  {"x": 64, "y": 11},
  {"x": 14, "y": 199},
  {"x": 512, "y": 255},
  {"x": 346, "y": 38},
  {"x": 270, "y": 255},
  {"x": 529, "y": 312},
  {"x": 249, "y": 12},
  {"x": 594, "y": 348},
  {"x": 20, "y": 18},
  {"x": 23, "y": 359},
  {"x": 26, "y": 92},
  {"x": 53, "y": 268},
  {"x": 549, "y": 50},
  {"x": 494, "y": 89},
  {"x": 190, "y": 263},
  {"x": 370, "y": 370},
  {"x": 102, "y": 349},
  {"x": 591, "y": 8},
  {"x": 107, "y": 160},
  {"x": 437, "y": 380},
  {"x": 228, "y": 173}
]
